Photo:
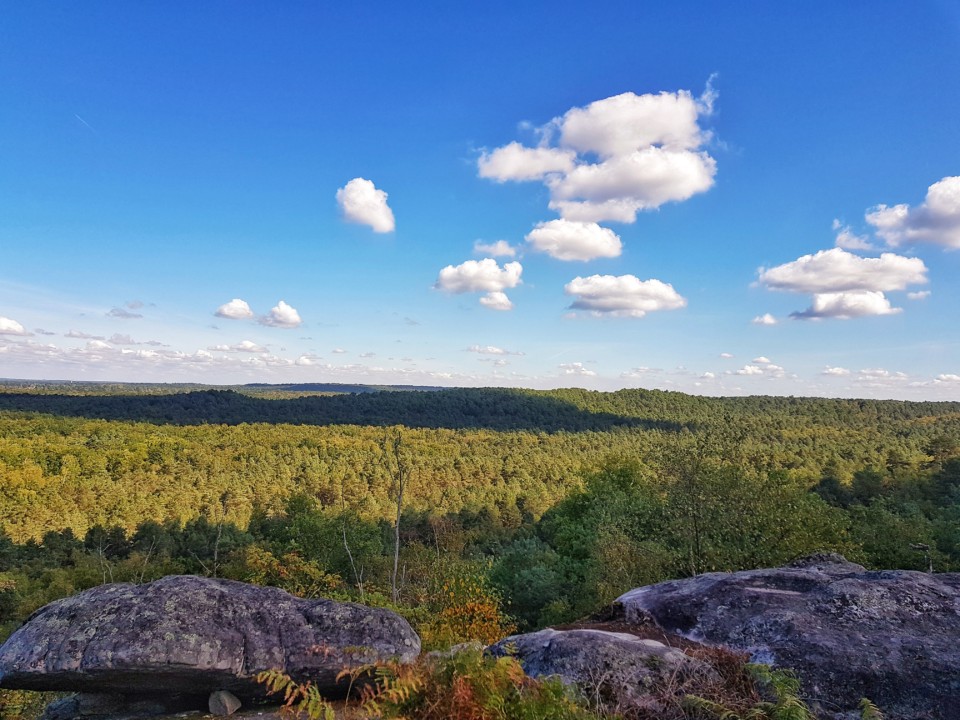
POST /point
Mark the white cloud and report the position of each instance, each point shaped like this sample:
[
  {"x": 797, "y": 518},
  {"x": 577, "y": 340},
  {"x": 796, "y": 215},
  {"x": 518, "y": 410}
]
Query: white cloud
[
  {"x": 482, "y": 276},
  {"x": 118, "y": 339},
  {"x": 835, "y": 371},
  {"x": 616, "y": 156},
  {"x": 501, "y": 248},
  {"x": 848, "y": 240},
  {"x": 847, "y": 305},
  {"x": 638, "y": 372},
  {"x": 948, "y": 378},
  {"x": 881, "y": 374},
  {"x": 362, "y": 203},
  {"x": 936, "y": 221},
  {"x": 765, "y": 370},
  {"x": 726, "y": 356},
  {"x": 845, "y": 285},
  {"x": 708, "y": 376},
  {"x": 98, "y": 345},
  {"x": 80, "y": 335},
  {"x": 9, "y": 326},
  {"x": 765, "y": 319},
  {"x": 919, "y": 295},
  {"x": 623, "y": 123},
  {"x": 516, "y": 162},
  {"x": 245, "y": 346},
  {"x": 619, "y": 187},
  {"x": 123, "y": 314},
  {"x": 623, "y": 295},
  {"x": 479, "y": 276},
  {"x": 496, "y": 301},
  {"x": 491, "y": 350},
  {"x": 236, "y": 309},
  {"x": 762, "y": 360},
  {"x": 576, "y": 369},
  {"x": 282, "y": 316},
  {"x": 836, "y": 270},
  {"x": 567, "y": 240},
  {"x": 339, "y": 351}
]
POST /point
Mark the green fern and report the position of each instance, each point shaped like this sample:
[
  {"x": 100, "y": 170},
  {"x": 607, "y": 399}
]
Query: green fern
[
  {"x": 298, "y": 698},
  {"x": 782, "y": 685},
  {"x": 702, "y": 706},
  {"x": 869, "y": 711}
]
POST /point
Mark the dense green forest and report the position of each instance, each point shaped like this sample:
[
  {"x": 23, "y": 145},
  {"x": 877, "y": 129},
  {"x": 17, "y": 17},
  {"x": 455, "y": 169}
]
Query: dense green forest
[{"x": 521, "y": 508}]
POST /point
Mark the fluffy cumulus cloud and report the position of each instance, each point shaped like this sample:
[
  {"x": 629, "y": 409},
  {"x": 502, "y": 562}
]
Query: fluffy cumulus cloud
[
  {"x": 484, "y": 276},
  {"x": 236, "y": 309},
  {"x": 282, "y": 316},
  {"x": 497, "y": 301},
  {"x": 766, "y": 369},
  {"x": 936, "y": 220},
  {"x": 845, "y": 285},
  {"x": 568, "y": 240},
  {"x": 837, "y": 270},
  {"x": 616, "y": 156},
  {"x": 500, "y": 248},
  {"x": 516, "y": 162},
  {"x": 847, "y": 305},
  {"x": 622, "y": 296},
  {"x": 835, "y": 371},
  {"x": 362, "y": 203},
  {"x": 849, "y": 240},
  {"x": 919, "y": 295},
  {"x": 576, "y": 369},
  {"x": 9, "y": 326},
  {"x": 765, "y": 319}
]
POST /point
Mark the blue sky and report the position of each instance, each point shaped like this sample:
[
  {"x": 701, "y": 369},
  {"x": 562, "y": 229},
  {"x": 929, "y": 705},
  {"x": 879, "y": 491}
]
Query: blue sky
[{"x": 711, "y": 197}]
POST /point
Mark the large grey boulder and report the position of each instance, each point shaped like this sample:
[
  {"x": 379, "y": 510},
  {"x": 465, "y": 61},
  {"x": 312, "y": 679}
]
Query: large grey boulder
[
  {"x": 187, "y": 635},
  {"x": 615, "y": 670},
  {"x": 891, "y": 636}
]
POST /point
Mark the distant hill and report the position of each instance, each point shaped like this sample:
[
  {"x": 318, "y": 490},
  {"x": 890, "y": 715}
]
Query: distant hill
[{"x": 569, "y": 410}]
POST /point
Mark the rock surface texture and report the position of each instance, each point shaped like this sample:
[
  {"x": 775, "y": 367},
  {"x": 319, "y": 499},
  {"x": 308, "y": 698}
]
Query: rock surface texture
[
  {"x": 891, "y": 636},
  {"x": 190, "y": 636},
  {"x": 617, "y": 670}
]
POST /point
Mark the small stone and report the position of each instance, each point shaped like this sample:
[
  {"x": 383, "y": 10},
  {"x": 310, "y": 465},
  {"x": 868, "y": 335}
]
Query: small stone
[{"x": 223, "y": 702}]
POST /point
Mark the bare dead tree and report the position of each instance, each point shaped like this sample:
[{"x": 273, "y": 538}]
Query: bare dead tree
[
  {"x": 358, "y": 575},
  {"x": 400, "y": 472},
  {"x": 106, "y": 568}
]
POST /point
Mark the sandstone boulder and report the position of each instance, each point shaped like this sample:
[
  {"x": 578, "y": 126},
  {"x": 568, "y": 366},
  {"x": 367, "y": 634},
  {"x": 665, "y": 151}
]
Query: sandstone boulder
[
  {"x": 891, "y": 636},
  {"x": 616, "y": 670},
  {"x": 190, "y": 636}
]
